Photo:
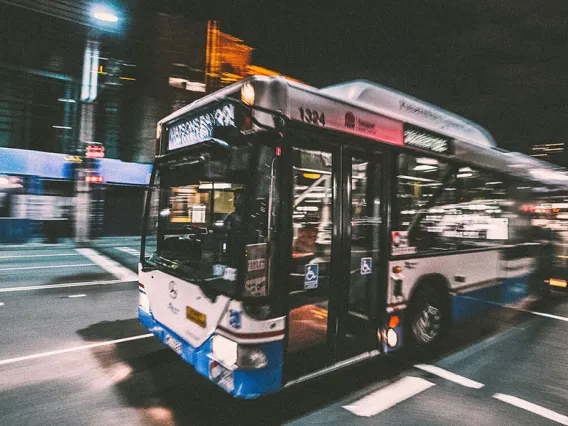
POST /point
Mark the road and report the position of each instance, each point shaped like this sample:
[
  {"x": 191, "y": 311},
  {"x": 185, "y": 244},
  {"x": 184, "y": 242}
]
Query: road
[{"x": 72, "y": 353}]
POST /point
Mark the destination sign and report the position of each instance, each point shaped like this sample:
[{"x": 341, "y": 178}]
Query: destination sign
[
  {"x": 420, "y": 138},
  {"x": 196, "y": 128}
]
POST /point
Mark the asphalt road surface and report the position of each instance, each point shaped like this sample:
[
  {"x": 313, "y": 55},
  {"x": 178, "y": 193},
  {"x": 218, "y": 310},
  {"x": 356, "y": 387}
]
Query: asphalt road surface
[{"x": 73, "y": 353}]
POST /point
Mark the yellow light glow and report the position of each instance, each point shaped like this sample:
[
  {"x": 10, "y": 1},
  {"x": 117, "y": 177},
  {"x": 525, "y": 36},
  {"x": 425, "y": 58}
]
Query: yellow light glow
[
  {"x": 558, "y": 283},
  {"x": 247, "y": 94},
  {"x": 394, "y": 321},
  {"x": 127, "y": 78},
  {"x": 311, "y": 175}
]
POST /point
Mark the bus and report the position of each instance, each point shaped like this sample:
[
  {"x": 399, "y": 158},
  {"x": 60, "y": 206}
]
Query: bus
[{"x": 291, "y": 231}]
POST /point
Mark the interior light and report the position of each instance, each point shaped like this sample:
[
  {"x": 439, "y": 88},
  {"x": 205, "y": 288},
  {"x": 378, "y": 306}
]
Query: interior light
[
  {"x": 424, "y": 160},
  {"x": 247, "y": 93},
  {"x": 424, "y": 168},
  {"x": 215, "y": 186},
  {"x": 313, "y": 176}
]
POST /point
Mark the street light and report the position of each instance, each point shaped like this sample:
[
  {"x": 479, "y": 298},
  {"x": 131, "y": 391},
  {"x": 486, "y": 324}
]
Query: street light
[{"x": 104, "y": 14}]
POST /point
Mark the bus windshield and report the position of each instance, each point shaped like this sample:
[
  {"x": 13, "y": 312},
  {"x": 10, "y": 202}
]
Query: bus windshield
[{"x": 206, "y": 214}]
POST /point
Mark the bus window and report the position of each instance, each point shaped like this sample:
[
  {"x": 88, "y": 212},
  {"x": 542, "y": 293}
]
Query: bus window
[
  {"x": 451, "y": 207},
  {"x": 365, "y": 227},
  {"x": 203, "y": 222},
  {"x": 312, "y": 227}
]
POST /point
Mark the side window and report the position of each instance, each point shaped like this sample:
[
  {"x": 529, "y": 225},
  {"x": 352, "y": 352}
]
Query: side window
[
  {"x": 443, "y": 206},
  {"x": 312, "y": 212},
  {"x": 486, "y": 210},
  {"x": 426, "y": 196}
]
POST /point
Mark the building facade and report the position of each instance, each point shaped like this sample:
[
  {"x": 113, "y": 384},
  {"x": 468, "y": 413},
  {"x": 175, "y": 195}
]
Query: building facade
[{"x": 76, "y": 75}]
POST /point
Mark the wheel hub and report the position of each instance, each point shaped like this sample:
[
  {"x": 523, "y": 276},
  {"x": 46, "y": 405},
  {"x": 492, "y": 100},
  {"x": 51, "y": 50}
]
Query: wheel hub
[{"x": 427, "y": 324}]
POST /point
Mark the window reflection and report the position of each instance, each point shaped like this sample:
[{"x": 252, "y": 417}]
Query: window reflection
[
  {"x": 365, "y": 226},
  {"x": 444, "y": 207}
]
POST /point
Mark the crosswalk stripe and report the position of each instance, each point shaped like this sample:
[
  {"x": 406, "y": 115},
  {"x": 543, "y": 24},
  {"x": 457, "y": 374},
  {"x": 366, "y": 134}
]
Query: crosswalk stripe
[
  {"x": 387, "y": 397},
  {"x": 448, "y": 375}
]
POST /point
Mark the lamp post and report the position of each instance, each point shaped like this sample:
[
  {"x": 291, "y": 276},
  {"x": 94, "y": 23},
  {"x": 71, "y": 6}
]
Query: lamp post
[{"x": 103, "y": 18}]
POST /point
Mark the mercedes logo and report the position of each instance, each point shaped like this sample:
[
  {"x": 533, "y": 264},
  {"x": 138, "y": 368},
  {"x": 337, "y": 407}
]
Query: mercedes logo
[{"x": 173, "y": 290}]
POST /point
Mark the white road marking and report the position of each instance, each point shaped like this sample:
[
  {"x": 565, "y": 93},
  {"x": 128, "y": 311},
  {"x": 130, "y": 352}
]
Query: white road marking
[
  {"x": 47, "y": 267},
  {"x": 108, "y": 265},
  {"x": 77, "y": 295},
  {"x": 1, "y": 303},
  {"x": 448, "y": 375},
  {"x": 129, "y": 251},
  {"x": 387, "y": 397},
  {"x": 542, "y": 314},
  {"x": 39, "y": 255},
  {"x": 63, "y": 285},
  {"x": 74, "y": 349},
  {"x": 533, "y": 408}
]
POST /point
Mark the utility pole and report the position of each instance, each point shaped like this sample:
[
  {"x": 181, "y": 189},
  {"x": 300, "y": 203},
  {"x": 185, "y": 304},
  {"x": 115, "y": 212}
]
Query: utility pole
[{"x": 102, "y": 17}]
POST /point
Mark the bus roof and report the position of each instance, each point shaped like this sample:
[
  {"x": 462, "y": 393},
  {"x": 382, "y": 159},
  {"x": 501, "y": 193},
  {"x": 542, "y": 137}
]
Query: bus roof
[
  {"x": 406, "y": 108},
  {"x": 381, "y": 111}
]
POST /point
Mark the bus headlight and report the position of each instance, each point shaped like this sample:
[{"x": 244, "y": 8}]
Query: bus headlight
[
  {"x": 257, "y": 312},
  {"x": 392, "y": 338},
  {"x": 224, "y": 350},
  {"x": 251, "y": 357}
]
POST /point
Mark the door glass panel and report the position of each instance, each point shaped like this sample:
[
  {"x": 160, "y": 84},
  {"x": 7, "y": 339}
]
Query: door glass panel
[
  {"x": 365, "y": 234},
  {"x": 311, "y": 250}
]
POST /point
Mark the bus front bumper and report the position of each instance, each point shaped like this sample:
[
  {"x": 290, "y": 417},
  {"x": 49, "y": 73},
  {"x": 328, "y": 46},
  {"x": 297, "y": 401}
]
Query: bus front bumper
[{"x": 246, "y": 384}]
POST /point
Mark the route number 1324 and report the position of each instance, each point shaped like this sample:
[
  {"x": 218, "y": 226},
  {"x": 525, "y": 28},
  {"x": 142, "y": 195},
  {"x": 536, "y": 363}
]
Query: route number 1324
[{"x": 312, "y": 116}]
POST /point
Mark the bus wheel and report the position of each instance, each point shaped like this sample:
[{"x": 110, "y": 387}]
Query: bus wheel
[{"x": 428, "y": 317}]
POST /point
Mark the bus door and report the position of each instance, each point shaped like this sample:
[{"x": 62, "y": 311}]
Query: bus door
[
  {"x": 313, "y": 277},
  {"x": 363, "y": 213},
  {"x": 333, "y": 282}
]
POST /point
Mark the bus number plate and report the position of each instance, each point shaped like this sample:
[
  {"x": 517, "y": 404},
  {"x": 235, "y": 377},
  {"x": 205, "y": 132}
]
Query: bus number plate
[{"x": 196, "y": 317}]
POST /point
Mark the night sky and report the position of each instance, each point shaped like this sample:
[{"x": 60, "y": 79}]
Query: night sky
[{"x": 500, "y": 63}]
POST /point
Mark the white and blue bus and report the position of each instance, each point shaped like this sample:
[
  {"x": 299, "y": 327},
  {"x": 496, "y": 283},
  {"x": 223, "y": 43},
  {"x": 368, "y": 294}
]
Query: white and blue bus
[{"x": 290, "y": 231}]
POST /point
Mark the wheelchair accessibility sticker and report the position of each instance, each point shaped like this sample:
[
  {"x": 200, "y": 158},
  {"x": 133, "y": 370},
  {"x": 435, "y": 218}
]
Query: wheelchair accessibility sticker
[
  {"x": 311, "y": 272},
  {"x": 366, "y": 265}
]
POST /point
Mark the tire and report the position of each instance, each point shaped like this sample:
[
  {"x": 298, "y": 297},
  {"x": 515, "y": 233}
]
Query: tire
[{"x": 429, "y": 317}]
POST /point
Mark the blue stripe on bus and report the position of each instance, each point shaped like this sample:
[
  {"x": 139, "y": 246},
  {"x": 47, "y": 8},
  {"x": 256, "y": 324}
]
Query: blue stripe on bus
[
  {"x": 247, "y": 383},
  {"x": 509, "y": 290}
]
